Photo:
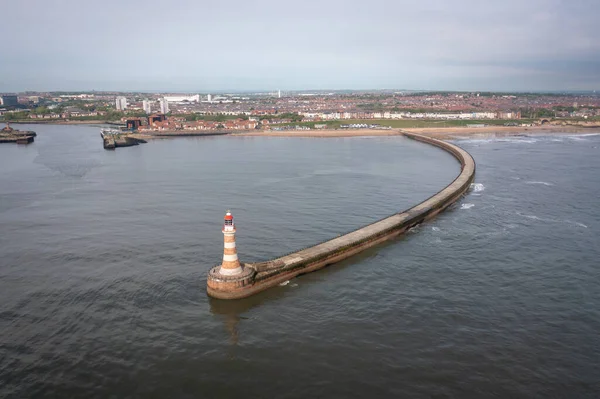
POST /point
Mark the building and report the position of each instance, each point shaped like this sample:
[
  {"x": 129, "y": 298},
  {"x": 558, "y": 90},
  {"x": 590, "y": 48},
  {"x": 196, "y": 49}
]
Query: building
[
  {"x": 8, "y": 100},
  {"x": 147, "y": 107},
  {"x": 180, "y": 99},
  {"x": 154, "y": 118},
  {"x": 164, "y": 106},
  {"x": 121, "y": 103},
  {"x": 209, "y": 98}
]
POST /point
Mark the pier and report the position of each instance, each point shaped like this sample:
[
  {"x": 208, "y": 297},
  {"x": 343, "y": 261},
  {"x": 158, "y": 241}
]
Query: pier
[
  {"x": 251, "y": 278},
  {"x": 112, "y": 138}
]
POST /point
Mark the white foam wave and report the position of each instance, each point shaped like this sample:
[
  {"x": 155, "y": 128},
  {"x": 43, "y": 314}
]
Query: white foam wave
[
  {"x": 435, "y": 228},
  {"x": 533, "y": 217},
  {"x": 285, "y": 283},
  {"x": 577, "y": 138},
  {"x": 577, "y": 224},
  {"x": 464, "y": 140},
  {"x": 477, "y": 187},
  {"x": 539, "y": 182},
  {"x": 467, "y": 206},
  {"x": 527, "y": 140}
]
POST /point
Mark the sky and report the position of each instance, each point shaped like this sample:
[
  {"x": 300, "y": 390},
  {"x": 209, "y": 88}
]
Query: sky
[{"x": 251, "y": 45}]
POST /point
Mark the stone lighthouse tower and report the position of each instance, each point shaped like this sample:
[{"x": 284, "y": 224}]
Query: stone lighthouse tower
[
  {"x": 230, "y": 276},
  {"x": 231, "y": 264}
]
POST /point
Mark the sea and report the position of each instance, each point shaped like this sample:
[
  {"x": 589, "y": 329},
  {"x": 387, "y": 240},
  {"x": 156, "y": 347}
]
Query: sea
[{"x": 104, "y": 257}]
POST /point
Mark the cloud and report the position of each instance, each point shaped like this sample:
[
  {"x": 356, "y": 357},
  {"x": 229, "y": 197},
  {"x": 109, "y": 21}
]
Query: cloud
[{"x": 244, "y": 44}]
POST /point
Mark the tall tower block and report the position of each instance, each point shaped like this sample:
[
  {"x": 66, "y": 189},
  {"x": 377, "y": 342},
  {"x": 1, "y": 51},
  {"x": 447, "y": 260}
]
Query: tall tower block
[
  {"x": 231, "y": 264},
  {"x": 230, "y": 276}
]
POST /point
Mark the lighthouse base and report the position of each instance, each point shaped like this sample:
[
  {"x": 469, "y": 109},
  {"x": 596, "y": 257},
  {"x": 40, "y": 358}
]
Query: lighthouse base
[{"x": 220, "y": 285}]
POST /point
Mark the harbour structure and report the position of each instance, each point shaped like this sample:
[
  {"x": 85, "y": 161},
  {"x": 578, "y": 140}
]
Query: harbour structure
[
  {"x": 113, "y": 138},
  {"x": 231, "y": 282},
  {"x": 10, "y": 135},
  {"x": 230, "y": 274}
]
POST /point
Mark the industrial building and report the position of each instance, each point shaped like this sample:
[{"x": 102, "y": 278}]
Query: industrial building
[
  {"x": 180, "y": 99},
  {"x": 8, "y": 100}
]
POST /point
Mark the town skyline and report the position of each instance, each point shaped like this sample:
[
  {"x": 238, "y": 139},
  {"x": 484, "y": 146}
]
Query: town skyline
[{"x": 241, "y": 46}]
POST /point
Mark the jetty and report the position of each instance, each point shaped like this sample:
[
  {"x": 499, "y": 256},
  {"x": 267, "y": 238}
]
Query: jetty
[
  {"x": 10, "y": 135},
  {"x": 113, "y": 138},
  {"x": 234, "y": 280}
]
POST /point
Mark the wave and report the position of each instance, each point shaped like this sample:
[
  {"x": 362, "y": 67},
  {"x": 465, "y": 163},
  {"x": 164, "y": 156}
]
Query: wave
[
  {"x": 285, "y": 283},
  {"x": 467, "y": 206},
  {"x": 435, "y": 228},
  {"x": 565, "y": 221},
  {"x": 531, "y": 216},
  {"x": 539, "y": 182},
  {"x": 527, "y": 139},
  {"x": 576, "y": 223},
  {"x": 498, "y": 139},
  {"x": 477, "y": 187}
]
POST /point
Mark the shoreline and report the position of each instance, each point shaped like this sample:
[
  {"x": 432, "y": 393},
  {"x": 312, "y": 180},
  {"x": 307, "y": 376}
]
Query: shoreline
[{"x": 444, "y": 133}]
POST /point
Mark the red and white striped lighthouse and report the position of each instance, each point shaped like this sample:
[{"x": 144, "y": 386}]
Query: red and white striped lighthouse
[{"x": 231, "y": 264}]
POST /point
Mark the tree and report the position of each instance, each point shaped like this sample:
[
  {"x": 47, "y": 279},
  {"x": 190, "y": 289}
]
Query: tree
[{"x": 41, "y": 110}]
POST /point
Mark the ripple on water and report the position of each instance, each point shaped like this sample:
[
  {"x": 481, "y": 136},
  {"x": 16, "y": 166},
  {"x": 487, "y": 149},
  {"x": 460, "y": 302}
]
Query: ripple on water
[{"x": 102, "y": 282}]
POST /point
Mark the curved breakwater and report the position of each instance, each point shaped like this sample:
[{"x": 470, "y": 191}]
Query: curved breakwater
[{"x": 260, "y": 276}]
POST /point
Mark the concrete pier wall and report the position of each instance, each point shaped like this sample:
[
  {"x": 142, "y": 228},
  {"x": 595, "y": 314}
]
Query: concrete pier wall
[{"x": 271, "y": 273}]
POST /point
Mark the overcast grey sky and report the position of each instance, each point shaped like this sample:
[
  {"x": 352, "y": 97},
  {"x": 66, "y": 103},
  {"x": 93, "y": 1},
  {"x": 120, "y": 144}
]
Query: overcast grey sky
[{"x": 187, "y": 45}]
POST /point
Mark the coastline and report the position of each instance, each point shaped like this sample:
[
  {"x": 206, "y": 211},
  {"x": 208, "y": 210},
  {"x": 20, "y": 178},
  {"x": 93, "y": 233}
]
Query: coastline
[
  {"x": 445, "y": 133},
  {"x": 326, "y": 133}
]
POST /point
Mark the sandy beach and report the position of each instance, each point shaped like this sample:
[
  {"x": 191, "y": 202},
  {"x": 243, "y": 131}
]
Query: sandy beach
[
  {"x": 441, "y": 133},
  {"x": 326, "y": 133}
]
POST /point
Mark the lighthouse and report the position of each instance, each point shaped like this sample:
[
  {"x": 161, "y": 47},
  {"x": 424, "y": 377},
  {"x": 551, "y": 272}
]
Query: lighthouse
[
  {"x": 231, "y": 264},
  {"x": 226, "y": 279}
]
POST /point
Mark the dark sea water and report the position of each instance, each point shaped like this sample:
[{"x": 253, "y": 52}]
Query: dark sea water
[{"x": 104, "y": 254}]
